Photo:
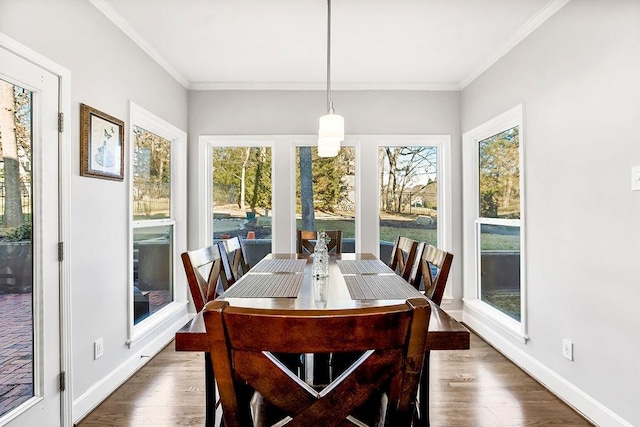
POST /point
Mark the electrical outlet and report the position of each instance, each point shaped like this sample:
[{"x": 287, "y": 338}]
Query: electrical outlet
[
  {"x": 567, "y": 349},
  {"x": 98, "y": 349}
]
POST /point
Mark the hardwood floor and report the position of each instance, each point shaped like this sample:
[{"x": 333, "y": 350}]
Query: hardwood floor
[{"x": 479, "y": 387}]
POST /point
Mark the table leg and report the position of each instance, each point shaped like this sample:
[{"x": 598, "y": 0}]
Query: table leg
[
  {"x": 424, "y": 392},
  {"x": 210, "y": 392}
]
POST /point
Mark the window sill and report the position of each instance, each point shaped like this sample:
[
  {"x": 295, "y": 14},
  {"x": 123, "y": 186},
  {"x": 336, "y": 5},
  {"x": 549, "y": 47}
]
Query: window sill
[
  {"x": 493, "y": 318},
  {"x": 157, "y": 321}
]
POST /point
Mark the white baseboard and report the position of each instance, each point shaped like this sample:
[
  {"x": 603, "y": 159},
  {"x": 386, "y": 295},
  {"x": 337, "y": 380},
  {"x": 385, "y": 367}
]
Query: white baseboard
[
  {"x": 586, "y": 405},
  {"x": 89, "y": 400}
]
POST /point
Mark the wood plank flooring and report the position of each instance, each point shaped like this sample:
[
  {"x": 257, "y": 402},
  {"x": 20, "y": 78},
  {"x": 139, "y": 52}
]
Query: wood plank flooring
[{"x": 473, "y": 388}]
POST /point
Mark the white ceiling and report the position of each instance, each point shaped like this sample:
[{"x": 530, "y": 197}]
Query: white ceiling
[{"x": 281, "y": 44}]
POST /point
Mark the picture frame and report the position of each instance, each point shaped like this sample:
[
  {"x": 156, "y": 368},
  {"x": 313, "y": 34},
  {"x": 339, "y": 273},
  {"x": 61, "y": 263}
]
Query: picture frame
[{"x": 101, "y": 145}]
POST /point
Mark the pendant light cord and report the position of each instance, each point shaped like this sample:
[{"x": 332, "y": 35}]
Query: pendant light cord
[{"x": 329, "y": 103}]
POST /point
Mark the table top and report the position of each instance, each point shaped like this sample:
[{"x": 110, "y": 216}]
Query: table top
[{"x": 444, "y": 333}]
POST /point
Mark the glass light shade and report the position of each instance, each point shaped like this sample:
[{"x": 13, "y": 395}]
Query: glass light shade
[
  {"x": 328, "y": 147},
  {"x": 330, "y": 133}
]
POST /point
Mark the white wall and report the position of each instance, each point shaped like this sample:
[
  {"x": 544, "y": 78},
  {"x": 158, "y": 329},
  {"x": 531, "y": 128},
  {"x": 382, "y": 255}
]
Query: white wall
[
  {"x": 578, "y": 77},
  {"x": 107, "y": 70},
  {"x": 297, "y": 113}
]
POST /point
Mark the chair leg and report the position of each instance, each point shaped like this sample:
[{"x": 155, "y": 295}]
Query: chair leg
[
  {"x": 424, "y": 392},
  {"x": 210, "y": 392}
]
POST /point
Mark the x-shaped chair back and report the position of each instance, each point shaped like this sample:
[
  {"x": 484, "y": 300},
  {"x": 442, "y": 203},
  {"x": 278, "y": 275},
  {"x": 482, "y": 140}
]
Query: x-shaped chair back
[
  {"x": 233, "y": 250},
  {"x": 403, "y": 256},
  {"x": 431, "y": 271},
  {"x": 204, "y": 269},
  {"x": 305, "y": 241},
  {"x": 392, "y": 340}
]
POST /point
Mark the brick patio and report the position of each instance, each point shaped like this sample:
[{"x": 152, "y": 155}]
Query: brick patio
[{"x": 16, "y": 350}]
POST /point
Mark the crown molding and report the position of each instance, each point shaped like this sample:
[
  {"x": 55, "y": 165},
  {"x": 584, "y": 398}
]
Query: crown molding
[
  {"x": 323, "y": 86},
  {"x": 545, "y": 13},
  {"x": 120, "y": 22},
  {"x": 530, "y": 26}
]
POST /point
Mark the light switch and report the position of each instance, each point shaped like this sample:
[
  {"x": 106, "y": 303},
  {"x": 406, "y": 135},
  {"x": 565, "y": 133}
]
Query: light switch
[{"x": 635, "y": 178}]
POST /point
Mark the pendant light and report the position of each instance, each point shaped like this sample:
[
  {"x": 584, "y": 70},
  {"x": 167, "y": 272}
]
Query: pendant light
[{"x": 331, "y": 125}]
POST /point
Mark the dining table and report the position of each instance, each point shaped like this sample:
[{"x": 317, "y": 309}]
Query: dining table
[{"x": 284, "y": 281}]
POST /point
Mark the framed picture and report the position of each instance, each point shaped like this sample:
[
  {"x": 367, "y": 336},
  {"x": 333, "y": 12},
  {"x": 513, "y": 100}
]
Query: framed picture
[{"x": 101, "y": 145}]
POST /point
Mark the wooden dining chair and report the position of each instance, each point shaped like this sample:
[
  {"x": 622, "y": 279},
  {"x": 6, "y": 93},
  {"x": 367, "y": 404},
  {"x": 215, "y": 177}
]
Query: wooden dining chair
[
  {"x": 198, "y": 264},
  {"x": 236, "y": 260},
  {"x": 392, "y": 340},
  {"x": 201, "y": 263},
  {"x": 403, "y": 256},
  {"x": 430, "y": 271},
  {"x": 305, "y": 241},
  {"x": 429, "y": 274}
]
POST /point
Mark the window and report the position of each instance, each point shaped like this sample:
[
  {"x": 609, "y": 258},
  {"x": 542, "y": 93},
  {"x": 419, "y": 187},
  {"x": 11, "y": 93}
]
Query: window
[
  {"x": 408, "y": 193},
  {"x": 241, "y": 192},
  {"x": 241, "y": 195},
  {"x": 237, "y": 191},
  {"x": 153, "y": 224},
  {"x": 326, "y": 192},
  {"x": 158, "y": 217},
  {"x": 344, "y": 189},
  {"x": 499, "y": 221},
  {"x": 495, "y": 221}
]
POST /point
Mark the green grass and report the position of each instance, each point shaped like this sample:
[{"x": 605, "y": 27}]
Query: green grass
[
  {"x": 388, "y": 232},
  {"x": 391, "y": 228},
  {"x": 505, "y": 301},
  {"x": 500, "y": 242}
]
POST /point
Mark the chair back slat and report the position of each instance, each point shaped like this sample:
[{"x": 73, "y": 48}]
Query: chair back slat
[
  {"x": 236, "y": 263},
  {"x": 305, "y": 241},
  {"x": 303, "y": 336},
  {"x": 403, "y": 256},
  {"x": 204, "y": 270},
  {"x": 431, "y": 271},
  {"x": 392, "y": 340}
]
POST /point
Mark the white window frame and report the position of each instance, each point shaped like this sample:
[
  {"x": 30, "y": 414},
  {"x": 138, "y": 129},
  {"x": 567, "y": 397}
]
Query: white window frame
[
  {"x": 283, "y": 185},
  {"x": 443, "y": 168},
  {"x": 206, "y": 144},
  {"x": 312, "y": 141},
  {"x": 477, "y": 313},
  {"x": 148, "y": 121}
]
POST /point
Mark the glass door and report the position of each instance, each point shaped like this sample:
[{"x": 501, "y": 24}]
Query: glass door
[{"x": 29, "y": 267}]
